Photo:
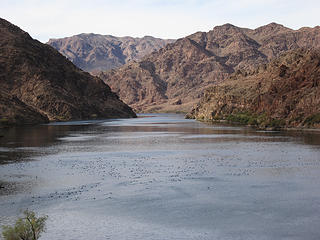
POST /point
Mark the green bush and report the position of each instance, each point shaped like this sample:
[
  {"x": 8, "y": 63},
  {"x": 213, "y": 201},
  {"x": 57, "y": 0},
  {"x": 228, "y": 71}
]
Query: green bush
[
  {"x": 259, "y": 120},
  {"x": 4, "y": 121},
  {"x": 28, "y": 227},
  {"x": 246, "y": 118},
  {"x": 276, "y": 123},
  {"x": 313, "y": 119}
]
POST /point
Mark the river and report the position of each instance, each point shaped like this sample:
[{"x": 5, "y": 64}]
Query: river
[{"x": 160, "y": 177}]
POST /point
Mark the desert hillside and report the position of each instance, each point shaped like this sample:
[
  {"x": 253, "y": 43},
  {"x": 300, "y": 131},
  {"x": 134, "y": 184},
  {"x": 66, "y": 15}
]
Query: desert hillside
[
  {"x": 283, "y": 93},
  {"x": 39, "y": 84},
  {"x": 174, "y": 77}
]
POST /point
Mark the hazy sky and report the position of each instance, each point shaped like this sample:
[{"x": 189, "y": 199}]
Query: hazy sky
[{"x": 45, "y": 19}]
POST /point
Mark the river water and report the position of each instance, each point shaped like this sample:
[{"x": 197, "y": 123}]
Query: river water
[{"x": 161, "y": 177}]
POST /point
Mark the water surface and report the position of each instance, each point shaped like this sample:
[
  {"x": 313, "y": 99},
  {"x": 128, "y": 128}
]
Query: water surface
[{"x": 162, "y": 177}]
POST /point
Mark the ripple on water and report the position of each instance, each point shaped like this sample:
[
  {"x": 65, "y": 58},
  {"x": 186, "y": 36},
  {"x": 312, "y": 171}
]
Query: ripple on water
[{"x": 164, "y": 177}]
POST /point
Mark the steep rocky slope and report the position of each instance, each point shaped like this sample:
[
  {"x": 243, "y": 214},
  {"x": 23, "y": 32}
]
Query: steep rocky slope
[
  {"x": 95, "y": 52},
  {"x": 13, "y": 111},
  {"x": 285, "y": 92},
  {"x": 40, "y": 82},
  {"x": 173, "y": 78}
]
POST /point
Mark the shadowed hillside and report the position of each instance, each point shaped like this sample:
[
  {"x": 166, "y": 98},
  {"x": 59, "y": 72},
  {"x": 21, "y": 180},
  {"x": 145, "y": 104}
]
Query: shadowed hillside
[{"x": 39, "y": 84}]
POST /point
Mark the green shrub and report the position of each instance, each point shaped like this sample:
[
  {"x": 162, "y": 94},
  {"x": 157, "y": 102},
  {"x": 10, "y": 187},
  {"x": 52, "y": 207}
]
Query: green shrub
[
  {"x": 4, "y": 121},
  {"x": 260, "y": 120},
  {"x": 246, "y": 118},
  {"x": 313, "y": 119},
  {"x": 276, "y": 123},
  {"x": 28, "y": 227}
]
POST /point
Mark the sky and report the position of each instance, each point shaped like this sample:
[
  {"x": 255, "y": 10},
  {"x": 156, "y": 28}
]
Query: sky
[{"x": 45, "y": 19}]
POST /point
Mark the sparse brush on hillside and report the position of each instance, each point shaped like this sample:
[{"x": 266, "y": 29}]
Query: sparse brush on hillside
[{"x": 284, "y": 93}]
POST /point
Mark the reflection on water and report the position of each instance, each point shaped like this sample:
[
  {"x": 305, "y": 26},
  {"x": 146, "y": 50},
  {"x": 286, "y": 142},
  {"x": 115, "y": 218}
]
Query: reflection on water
[
  {"x": 21, "y": 143},
  {"x": 162, "y": 177}
]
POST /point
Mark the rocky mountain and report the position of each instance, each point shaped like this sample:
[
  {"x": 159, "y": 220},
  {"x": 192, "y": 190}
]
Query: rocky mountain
[
  {"x": 95, "y": 52},
  {"x": 283, "y": 93},
  {"x": 174, "y": 77},
  {"x": 39, "y": 84}
]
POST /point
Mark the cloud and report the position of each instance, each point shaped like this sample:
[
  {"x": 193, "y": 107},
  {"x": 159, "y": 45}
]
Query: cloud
[{"x": 45, "y": 19}]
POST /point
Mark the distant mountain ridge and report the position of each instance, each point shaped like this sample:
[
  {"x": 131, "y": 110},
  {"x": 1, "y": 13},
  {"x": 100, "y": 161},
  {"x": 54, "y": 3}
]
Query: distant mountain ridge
[
  {"x": 39, "y": 84},
  {"x": 95, "y": 52},
  {"x": 174, "y": 77}
]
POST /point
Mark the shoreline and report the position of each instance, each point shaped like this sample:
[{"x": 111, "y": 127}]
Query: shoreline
[{"x": 303, "y": 129}]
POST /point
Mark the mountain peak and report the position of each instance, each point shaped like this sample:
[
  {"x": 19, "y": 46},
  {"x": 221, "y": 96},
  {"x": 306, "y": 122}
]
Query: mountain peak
[
  {"x": 274, "y": 24},
  {"x": 272, "y": 27},
  {"x": 226, "y": 27}
]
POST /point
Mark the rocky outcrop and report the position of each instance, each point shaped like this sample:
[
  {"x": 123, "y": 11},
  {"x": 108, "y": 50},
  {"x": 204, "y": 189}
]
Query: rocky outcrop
[
  {"x": 37, "y": 80},
  {"x": 174, "y": 77},
  {"x": 283, "y": 93},
  {"x": 95, "y": 52}
]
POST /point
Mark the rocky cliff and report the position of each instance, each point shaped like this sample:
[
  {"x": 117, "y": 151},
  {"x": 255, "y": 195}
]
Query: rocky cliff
[
  {"x": 39, "y": 84},
  {"x": 174, "y": 77},
  {"x": 95, "y": 52},
  {"x": 283, "y": 93}
]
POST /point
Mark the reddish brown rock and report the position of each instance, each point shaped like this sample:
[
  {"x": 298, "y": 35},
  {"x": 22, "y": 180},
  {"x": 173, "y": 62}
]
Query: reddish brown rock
[
  {"x": 37, "y": 76},
  {"x": 183, "y": 69},
  {"x": 283, "y": 93},
  {"x": 95, "y": 52}
]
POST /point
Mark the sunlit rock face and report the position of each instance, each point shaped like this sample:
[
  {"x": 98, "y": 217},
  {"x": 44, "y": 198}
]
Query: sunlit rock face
[
  {"x": 95, "y": 52},
  {"x": 175, "y": 77},
  {"x": 283, "y": 93}
]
